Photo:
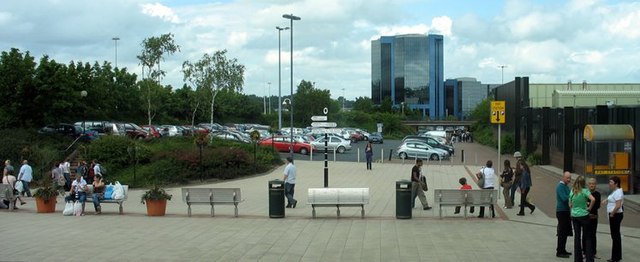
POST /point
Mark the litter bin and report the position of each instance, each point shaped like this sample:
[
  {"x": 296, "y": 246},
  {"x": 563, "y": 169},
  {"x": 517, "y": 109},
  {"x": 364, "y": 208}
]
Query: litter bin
[
  {"x": 403, "y": 199},
  {"x": 276, "y": 198}
]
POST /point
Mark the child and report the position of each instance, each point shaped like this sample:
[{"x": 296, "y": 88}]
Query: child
[{"x": 465, "y": 186}]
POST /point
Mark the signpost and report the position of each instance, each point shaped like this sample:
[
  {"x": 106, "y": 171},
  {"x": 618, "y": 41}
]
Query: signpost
[
  {"x": 498, "y": 117},
  {"x": 320, "y": 122},
  {"x": 324, "y": 124}
]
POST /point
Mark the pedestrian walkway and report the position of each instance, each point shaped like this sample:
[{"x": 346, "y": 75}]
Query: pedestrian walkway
[{"x": 253, "y": 236}]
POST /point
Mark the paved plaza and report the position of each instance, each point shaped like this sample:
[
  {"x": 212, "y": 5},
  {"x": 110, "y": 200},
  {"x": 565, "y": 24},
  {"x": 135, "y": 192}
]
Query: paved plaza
[{"x": 253, "y": 236}]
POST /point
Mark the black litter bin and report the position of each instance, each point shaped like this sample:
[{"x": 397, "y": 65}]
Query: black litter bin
[
  {"x": 276, "y": 198},
  {"x": 403, "y": 199}
]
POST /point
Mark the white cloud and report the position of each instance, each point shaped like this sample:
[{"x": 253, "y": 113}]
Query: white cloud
[
  {"x": 628, "y": 25},
  {"x": 159, "y": 10},
  {"x": 237, "y": 39},
  {"x": 587, "y": 57},
  {"x": 442, "y": 25}
]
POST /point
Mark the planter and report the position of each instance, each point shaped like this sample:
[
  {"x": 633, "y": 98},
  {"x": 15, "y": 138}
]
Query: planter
[
  {"x": 156, "y": 207},
  {"x": 45, "y": 206}
]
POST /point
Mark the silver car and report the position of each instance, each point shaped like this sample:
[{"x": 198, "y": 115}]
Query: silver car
[
  {"x": 416, "y": 149},
  {"x": 334, "y": 143}
]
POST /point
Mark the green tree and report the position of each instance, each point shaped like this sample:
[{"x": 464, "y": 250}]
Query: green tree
[
  {"x": 363, "y": 104},
  {"x": 214, "y": 73},
  {"x": 386, "y": 106},
  {"x": 153, "y": 51},
  {"x": 309, "y": 101},
  {"x": 17, "y": 71}
]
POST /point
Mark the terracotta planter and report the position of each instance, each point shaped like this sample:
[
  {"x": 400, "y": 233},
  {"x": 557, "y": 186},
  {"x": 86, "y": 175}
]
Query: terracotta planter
[
  {"x": 45, "y": 207},
  {"x": 156, "y": 207}
]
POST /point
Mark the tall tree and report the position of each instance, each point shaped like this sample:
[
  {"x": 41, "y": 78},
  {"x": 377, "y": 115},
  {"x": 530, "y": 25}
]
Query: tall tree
[
  {"x": 313, "y": 101},
  {"x": 214, "y": 73},
  {"x": 363, "y": 104},
  {"x": 17, "y": 71},
  {"x": 153, "y": 51}
]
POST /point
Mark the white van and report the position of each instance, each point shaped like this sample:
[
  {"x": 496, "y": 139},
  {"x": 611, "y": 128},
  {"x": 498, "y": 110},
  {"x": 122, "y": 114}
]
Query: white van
[{"x": 437, "y": 133}]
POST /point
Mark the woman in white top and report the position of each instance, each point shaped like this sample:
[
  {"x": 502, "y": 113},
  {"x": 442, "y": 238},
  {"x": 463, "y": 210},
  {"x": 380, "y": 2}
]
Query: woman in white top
[
  {"x": 615, "y": 211},
  {"x": 489, "y": 175}
]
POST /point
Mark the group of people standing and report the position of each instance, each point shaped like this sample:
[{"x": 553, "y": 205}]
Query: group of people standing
[
  {"x": 514, "y": 179},
  {"x": 77, "y": 188},
  {"x": 577, "y": 206}
]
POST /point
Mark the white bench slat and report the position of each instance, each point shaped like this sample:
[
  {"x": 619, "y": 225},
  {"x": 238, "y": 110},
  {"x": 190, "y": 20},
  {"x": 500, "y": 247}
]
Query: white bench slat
[
  {"x": 329, "y": 197},
  {"x": 212, "y": 196},
  {"x": 460, "y": 197}
]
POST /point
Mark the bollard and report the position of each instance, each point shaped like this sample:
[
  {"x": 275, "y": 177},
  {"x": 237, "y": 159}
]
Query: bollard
[
  {"x": 334, "y": 154},
  {"x": 462, "y": 157},
  {"x": 390, "y": 154},
  {"x": 311, "y": 154},
  {"x": 381, "y": 156},
  {"x": 358, "y": 155}
]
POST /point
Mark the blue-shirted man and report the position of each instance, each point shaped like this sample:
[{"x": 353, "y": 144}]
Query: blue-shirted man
[
  {"x": 25, "y": 175},
  {"x": 563, "y": 214},
  {"x": 290, "y": 183}
]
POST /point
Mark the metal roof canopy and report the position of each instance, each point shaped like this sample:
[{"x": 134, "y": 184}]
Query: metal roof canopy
[{"x": 594, "y": 133}]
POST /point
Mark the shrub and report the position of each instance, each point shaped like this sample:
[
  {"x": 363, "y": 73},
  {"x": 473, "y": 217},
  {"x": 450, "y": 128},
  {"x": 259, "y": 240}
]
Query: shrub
[
  {"x": 507, "y": 144},
  {"x": 118, "y": 151},
  {"x": 534, "y": 159}
]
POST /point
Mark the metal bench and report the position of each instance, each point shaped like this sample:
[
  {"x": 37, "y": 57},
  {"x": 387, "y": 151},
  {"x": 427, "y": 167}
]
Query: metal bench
[
  {"x": 337, "y": 197},
  {"x": 112, "y": 201},
  {"x": 6, "y": 192},
  {"x": 464, "y": 198},
  {"x": 212, "y": 196}
]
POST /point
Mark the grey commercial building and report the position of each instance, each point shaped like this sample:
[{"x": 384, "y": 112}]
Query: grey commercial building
[
  {"x": 462, "y": 94},
  {"x": 409, "y": 70}
]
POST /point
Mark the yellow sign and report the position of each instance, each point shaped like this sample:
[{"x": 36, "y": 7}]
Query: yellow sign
[
  {"x": 497, "y": 112},
  {"x": 612, "y": 172}
]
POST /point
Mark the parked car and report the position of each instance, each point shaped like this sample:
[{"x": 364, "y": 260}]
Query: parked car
[
  {"x": 227, "y": 135},
  {"x": 151, "y": 130},
  {"x": 334, "y": 143},
  {"x": 169, "y": 130},
  {"x": 102, "y": 127},
  {"x": 69, "y": 130},
  {"x": 411, "y": 149},
  {"x": 376, "y": 138},
  {"x": 432, "y": 141},
  {"x": 131, "y": 130},
  {"x": 283, "y": 144}
]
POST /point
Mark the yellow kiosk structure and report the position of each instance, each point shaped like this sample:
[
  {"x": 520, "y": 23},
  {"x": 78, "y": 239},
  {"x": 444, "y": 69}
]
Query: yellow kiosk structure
[{"x": 608, "y": 153}]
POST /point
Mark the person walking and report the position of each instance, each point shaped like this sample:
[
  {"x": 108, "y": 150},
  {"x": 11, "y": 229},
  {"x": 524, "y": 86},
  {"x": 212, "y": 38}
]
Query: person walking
[
  {"x": 290, "y": 183},
  {"x": 66, "y": 172},
  {"x": 9, "y": 179},
  {"x": 563, "y": 215},
  {"x": 525, "y": 186},
  {"x": 506, "y": 181},
  {"x": 516, "y": 178},
  {"x": 592, "y": 226},
  {"x": 578, "y": 199},
  {"x": 25, "y": 175},
  {"x": 489, "y": 175},
  {"x": 368, "y": 152},
  {"x": 416, "y": 189},
  {"x": 615, "y": 208}
]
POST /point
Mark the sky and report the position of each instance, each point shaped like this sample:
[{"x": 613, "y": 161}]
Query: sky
[{"x": 597, "y": 41}]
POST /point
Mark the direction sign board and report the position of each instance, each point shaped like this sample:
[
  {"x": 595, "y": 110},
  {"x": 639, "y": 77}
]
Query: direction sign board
[
  {"x": 319, "y": 118},
  {"x": 497, "y": 112},
  {"x": 324, "y": 124}
]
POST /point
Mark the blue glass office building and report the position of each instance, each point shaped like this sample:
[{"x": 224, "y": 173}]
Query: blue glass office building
[{"x": 409, "y": 69}]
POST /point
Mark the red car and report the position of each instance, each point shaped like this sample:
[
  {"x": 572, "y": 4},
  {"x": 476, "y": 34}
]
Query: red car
[
  {"x": 282, "y": 144},
  {"x": 152, "y": 130}
]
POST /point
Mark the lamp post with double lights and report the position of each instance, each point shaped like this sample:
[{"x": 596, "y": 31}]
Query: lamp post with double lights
[
  {"x": 291, "y": 17},
  {"x": 287, "y": 102},
  {"x": 280, "y": 76}
]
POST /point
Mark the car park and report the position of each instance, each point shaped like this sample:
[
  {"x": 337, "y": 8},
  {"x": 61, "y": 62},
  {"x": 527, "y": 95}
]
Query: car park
[
  {"x": 417, "y": 149},
  {"x": 131, "y": 130},
  {"x": 70, "y": 131}
]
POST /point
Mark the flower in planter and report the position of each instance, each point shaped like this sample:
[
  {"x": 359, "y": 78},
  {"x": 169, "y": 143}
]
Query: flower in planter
[{"x": 155, "y": 193}]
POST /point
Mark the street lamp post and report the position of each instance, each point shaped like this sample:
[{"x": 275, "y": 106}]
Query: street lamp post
[
  {"x": 502, "y": 68},
  {"x": 291, "y": 17},
  {"x": 115, "y": 40},
  {"x": 280, "y": 78},
  {"x": 84, "y": 94},
  {"x": 269, "y": 83}
]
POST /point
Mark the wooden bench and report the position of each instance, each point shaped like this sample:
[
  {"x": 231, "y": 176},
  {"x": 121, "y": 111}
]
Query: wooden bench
[
  {"x": 111, "y": 201},
  {"x": 464, "y": 198},
  {"x": 6, "y": 192},
  {"x": 212, "y": 196},
  {"x": 337, "y": 197}
]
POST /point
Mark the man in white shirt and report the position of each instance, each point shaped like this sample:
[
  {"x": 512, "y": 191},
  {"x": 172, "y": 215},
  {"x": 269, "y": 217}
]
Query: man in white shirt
[
  {"x": 78, "y": 192},
  {"x": 25, "y": 175},
  {"x": 290, "y": 183},
  {"x": 66, "y": 172}
]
